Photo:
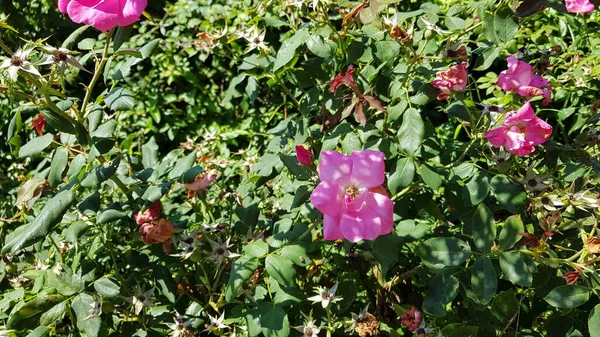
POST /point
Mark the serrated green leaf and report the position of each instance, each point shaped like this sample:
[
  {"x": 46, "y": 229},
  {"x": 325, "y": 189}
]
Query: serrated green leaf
[
  {"x": 446, "y": 251},
  {"x": 483, "y": 229},
  {"x": 568, "y": 296},
  {"x": 411, "y": 132},
  {"x": 402, "y": 175},
  {"x": 107, "y": 287},
  {"x": 594, "y": 322},
  {"x": 120, "y": 99},
  {"x": 510, "y": 233},
  {"x": 515, "y": 269},
  {"x": 59, "y": 163},
  {"x": 442, "y": 290},
  {"x": 483, "y": 280},
  {"x": 35, "y": 146},
  {"x": 281, "y": 269}
]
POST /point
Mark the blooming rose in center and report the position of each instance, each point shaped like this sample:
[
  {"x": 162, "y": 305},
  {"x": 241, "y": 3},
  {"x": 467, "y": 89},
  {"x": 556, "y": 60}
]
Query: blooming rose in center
[
  {"x": 350, "y": 195},
  {"x": 103, "y": 14},
  {"x": 521, "y": 132}
]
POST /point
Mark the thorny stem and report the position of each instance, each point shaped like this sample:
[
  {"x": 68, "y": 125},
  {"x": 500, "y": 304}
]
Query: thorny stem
[{"x": 97, "y": 73}]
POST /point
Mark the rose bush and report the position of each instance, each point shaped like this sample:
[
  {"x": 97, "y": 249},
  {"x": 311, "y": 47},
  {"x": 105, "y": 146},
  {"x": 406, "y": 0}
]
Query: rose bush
[{"x": 208, "y": 178}]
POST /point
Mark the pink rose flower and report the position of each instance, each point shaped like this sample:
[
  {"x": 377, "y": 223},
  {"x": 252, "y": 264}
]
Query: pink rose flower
[
  {"x": 152, "y": 213},
  {"x": 519, "y": 78},
  {"x": 157, "y": 231},
  {"x": 411, "y": 318},
  {"x": 579, "y": 6},
  {"x": 452, "y": 80},
  {"x": 104, "y": 15},
  {"x": 202, "y": 181},
  {"x": 350, "y": 195},
  {"x": 521, "y": 132},
  {"x": 304, "y": 156}
]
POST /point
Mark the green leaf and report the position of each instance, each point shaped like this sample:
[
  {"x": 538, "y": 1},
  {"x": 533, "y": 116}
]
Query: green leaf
[
  {"x": 54, "y": 314},
  {"x": 121, "y": 36},
  {"x": 275, "y": 323},
  {"x": 500, "y": 27},
  {"x": 99, "y": 174},
  {"x": 165, "y": 282},
  {"x": 446, "y": 251},
  {"x": 120, "y": 99},
  {"x": 36, "y": 145},
  {"x": 515, "y": 269},
  {"x": 459, "y": 330},
  {"x": 483, "y": 229},
  {"x": 511, "y": 197},
  {"x": 442, "y": 290},
  {"x": 59, "y": 163},
  {"x": 110, "y": 215},
  {"x": 297, "y": 254},
  {"x": 487, "y": 57},
  {"x": 483, "y": 280},
  {"x": 594, "y": 322},
  {"x": 281, "y": 269},
  {"x": 430, "y": 177},
  {"x": 505, "y": 305},
  {"x": 300, "y": 172},
  {"x": 568, "y": 296},
  {"x": 509, "y": 235},
  {"x": 107, "y": 287},
  {"x": 74, "y": 36},
  {"x": 150, "y": 153},
  {"x": 103, "y": 136},
  {"x": 402, "y": 176},
  {"x": 241, "y": 270},
  {"x": 288, "y": 49},
  {"x": 27, "y": 314},
  {"x": 318, "y": 46},
  {"x": 60, "y": 122},
  {"x": 478, "y": 188},
  {"x": 41, "y": 331},
  {"x": 48, "y": 217},
  {"x": 529, "y": 7},
  {"x": 83, "y": 305},
  {"x": 411, "y": 132},
  {"x": 257, "y": 248},
  {"x": 182, "y": 165}
]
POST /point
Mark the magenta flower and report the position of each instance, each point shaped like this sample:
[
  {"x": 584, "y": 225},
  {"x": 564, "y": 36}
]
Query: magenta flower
[
  {"x": 579, "y": 6},
  {"x": 350, "y": 195},
  {"x": 151, "y": 213},
  {"x": 519, "y": 78},
  {"x": 104, "y": 15},
  {"x": 521, "y": 132},
  {"x": 304, "y": 156},
  {"x": 411, "y": 318},
  {"x": 452, "y": 80}
]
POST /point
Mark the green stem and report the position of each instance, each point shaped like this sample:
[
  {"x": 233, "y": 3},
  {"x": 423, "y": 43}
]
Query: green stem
[
  {"x": 406, "y": 191},
  {"x": 97, "y": 73}
]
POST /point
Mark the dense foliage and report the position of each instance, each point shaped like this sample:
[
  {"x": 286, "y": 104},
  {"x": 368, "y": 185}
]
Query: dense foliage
[{"x": 293, "y": 167}]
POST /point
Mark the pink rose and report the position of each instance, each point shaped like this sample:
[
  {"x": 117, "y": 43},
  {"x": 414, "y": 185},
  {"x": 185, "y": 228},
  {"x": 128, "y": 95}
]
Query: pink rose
[
  {"x": 103, "y": 14},
  {"x": 152, "y": 213},
  {"x": 350, "y": 195},
  {"x": 579, "y": 6},
  {"x": 521, "y": 132},
  {"x": 411, "y": 318},
  {"x": 519, "y": 78},
  {"x": 304, "y": 156},
  {"x": 157, "y": 231},
  {"x": 452, "y": 80},
  {"x": 202, "y": 181}
]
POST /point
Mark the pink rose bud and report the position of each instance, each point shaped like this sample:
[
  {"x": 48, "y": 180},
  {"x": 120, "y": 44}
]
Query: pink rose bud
[
  {"x": 104, "y": 15},
  {"x": 202, "y": 181},
  {"x": 450, "y": 81},
  {"x": 152, "y": 213},
  {"x": 579, "y": 6},
  {"x": 157, "y": 231},
  {"x": 304, "y": 156},
  {"x": 521, "y": 132},
  {"x": 576, "y": 58},
  {"x": 411, "y": 318}
]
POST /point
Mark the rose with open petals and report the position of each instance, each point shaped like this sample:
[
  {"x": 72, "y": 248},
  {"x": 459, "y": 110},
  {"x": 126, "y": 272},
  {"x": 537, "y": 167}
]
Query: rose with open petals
[
  {"x": 521, "y": 132},
  {"x": 519, "y": 78},
  {"x": 450, "y": 81},
  {"x": 103, "y": 14},
  {"x": 579, "y": 6},
  {"x": 157, "y": 231},
  {"x": 350, "y": 195}
]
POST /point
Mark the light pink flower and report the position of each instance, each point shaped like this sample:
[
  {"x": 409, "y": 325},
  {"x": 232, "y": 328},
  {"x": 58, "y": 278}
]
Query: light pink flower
[
  {"x": 103, "y": 14},
  {"x": 521, "y": 132},
  {"x": 202, "y": 181},
  {"x": 304, "y": 156},
  {"x": 157, "y": 231},
  {"x": 411, "y": 318},
  {"x": 450, "y": 81},
  {"x": 519, "y": 78},
  {"x": 350, "y": 195},
  {"x": 579, "y": 6},
  {"x": 152, "y": 213}
]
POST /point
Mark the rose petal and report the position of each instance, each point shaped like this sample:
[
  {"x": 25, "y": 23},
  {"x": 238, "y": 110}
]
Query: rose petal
[
  {"x": 328, "y": 197},
  {"x": 334, "y": 166},
  {"x": 368, "y": 168}
]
